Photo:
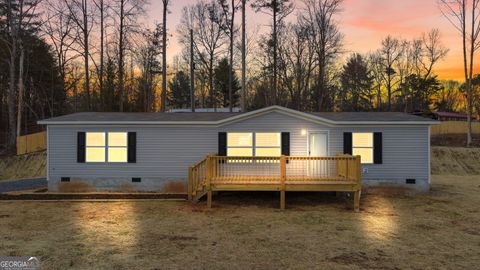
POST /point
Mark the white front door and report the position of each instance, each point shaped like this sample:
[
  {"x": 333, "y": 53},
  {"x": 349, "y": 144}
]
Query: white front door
[
  {"x": 318, "y": 144},
  {"x": 318, "y": 147}
]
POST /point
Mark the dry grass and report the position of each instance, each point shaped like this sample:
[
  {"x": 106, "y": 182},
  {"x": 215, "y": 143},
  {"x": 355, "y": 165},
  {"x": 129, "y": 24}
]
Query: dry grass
[{"x": 440, "y": 230}]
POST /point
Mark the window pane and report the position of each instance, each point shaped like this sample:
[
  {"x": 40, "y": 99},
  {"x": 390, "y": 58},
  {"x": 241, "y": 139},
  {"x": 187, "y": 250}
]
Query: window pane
[
  {"x": 267, "y": 139},
  {"x": 239, "y": 152},
  {"x": 117, "y": 139},
  {"x": 95, "y": 154},
  {"x": 239, "y": 139},
  {"x": 362, "y": 139},
  {"x": 365, "y": 153},
  {"x": 117, "y": 154},
  {"x": 267, "y": 152},
  {"x": 95, "y": 139}
]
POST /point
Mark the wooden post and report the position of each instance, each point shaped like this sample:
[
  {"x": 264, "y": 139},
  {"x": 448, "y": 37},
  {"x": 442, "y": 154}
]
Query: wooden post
[
  {"x": 356, "y": 201},
  {"x": 283, "y": 176},
  {"x": 208, "y": 176},
  {"x": 358, "y": 192},
  {"x": 209, "y": 199},
  {"x": 190, "y": 183}
]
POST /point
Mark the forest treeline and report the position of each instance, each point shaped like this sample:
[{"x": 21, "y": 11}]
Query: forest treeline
[{"x": 64, "y": 56}]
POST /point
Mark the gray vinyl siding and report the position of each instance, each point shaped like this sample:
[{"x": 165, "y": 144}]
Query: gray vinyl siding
[
  {"x": 165, "y": 152},
  {"x": 163, "y": 155},
  {"x": 405, "y": 148}
]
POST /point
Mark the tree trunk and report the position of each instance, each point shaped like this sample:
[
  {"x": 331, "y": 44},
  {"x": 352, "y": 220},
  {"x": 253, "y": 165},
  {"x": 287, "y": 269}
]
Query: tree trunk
[
  {"x": 230, "y": 74},
  {"x": 469, "y": 86},
  {"x": 21, "y": 89},
  {"x": 102, "y": 34},
  {"x": 275, "y": 53},
  {"x": 11, "y": 90},
  {"x": 243, "y": 94},
  {"x": 164, "y": 58},
  {"x": 86, "y": 53},
  {"x": 120, "y": 58}
]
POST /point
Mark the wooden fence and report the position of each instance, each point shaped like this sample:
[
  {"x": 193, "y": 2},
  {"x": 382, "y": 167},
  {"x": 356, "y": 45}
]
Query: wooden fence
[
  {"x": 31, "y": 143},
  {"x": 454, "y": 127}
]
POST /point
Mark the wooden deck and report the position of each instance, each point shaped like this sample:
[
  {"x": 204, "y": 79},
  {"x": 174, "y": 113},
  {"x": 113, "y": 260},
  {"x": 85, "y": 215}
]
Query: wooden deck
[{"x": 284, "y": 173}]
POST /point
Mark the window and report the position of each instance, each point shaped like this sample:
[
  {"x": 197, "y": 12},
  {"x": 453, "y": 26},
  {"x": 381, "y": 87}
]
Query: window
[
  {"x": 95, "y": 147},
  {"x": 111, "y": 146},
  {"x": 249, "y": 144},
  {"x": 117, "y": 147},
  {"x": 268, "y": 144},
  {"x": 240, "y": 144},
  {"x": 362, "y": 145}
]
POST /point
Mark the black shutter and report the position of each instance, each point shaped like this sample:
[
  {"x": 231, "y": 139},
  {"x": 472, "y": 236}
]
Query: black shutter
[
  {"x": 222, "y": 144},
  {"x": 377, "y": 148},
  {"x": 81, "y": 147},
  {"x": 286, "y": 143},
  {"x": 132, "y": 147},
  {"x": 347, "y": 143}
]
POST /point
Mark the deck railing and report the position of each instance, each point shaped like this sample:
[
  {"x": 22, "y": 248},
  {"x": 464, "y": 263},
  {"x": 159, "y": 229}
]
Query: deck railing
[{"x": 280, "y": 171}]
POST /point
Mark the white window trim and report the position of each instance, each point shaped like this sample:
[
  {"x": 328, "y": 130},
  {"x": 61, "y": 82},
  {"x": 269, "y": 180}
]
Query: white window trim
[{"x": 365, "y": 147}]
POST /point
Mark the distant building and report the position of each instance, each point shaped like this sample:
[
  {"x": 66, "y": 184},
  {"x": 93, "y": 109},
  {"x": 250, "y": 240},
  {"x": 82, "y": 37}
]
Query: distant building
[
  {"x": 444, "y": 116},
  {"x": 235, "y": 109}
]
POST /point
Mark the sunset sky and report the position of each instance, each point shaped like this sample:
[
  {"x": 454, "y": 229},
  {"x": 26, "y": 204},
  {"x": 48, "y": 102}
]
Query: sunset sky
[{"x": 364, "y": 22}]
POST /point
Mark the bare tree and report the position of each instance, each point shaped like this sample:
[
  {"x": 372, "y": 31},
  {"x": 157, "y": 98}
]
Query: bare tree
[
  {"x": 297, "y": 63},
  {"x": 82, "y": 17},
  {"x": 391, "y": 52},
  {"x": 58, "y": 26},
  {"x": 278, "y": 10},
  {"x": 21, "y": 19},
  {"x": 320, "y": 15},
  {"x": 164, "y": 57},
  {"x": 12, "y": 45},
  {"x": 26, "y": 16},
  {"x": 229, "y": 28},
  {"x": 127, "y": 13},
  {"x": 244, "y": 56},
  {"x": 456, "y": 12},
  {"x": 102, "y": 8},
  {"x": 208, "y": 35},
  {"x": 376, "y": 68},
  {"x": 433, "y": 51}
]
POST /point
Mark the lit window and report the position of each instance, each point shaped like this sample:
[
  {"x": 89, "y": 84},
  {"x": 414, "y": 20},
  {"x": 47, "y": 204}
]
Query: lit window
[
  {"x": 246, "y": 144},
  {"x": 117, "y": 147},
  {"x": 111, "y": 146},
  {"x": 362, "y": 145},
  {"x": 95, "y": 146},
  {"x": 267, "y": 144},
  {"x": 240, "y": 144}
]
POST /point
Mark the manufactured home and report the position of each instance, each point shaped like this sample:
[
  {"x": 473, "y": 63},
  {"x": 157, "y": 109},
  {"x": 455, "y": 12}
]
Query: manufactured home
[{"x": 158, "y": 152}]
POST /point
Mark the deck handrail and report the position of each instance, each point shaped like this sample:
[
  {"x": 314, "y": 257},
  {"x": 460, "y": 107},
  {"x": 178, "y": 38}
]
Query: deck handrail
[{"x": 280, "y": 172}]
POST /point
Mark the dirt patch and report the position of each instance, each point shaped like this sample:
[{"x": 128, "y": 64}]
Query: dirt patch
[
  {"x": 388, "y": 191},
  {"x": 175, "y": 187},
  {"x": 455, "y": 160},
  {"x": 25, "y": 166}
]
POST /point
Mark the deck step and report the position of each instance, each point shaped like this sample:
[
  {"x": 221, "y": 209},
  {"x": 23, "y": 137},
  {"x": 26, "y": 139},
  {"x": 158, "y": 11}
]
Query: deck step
[{"x": 199, "y": 195}]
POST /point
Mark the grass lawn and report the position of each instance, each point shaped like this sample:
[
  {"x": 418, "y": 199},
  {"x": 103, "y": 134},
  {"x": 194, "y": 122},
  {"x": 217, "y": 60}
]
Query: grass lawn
[{"x": 440, "y": 230}]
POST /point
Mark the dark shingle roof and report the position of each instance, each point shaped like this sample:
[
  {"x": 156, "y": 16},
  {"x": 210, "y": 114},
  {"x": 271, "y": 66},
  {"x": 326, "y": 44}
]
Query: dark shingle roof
[
  {"x": 139, "y": 116},
  {"x": 211, "y": 117},
  {"x": 369, "y": 116}
]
